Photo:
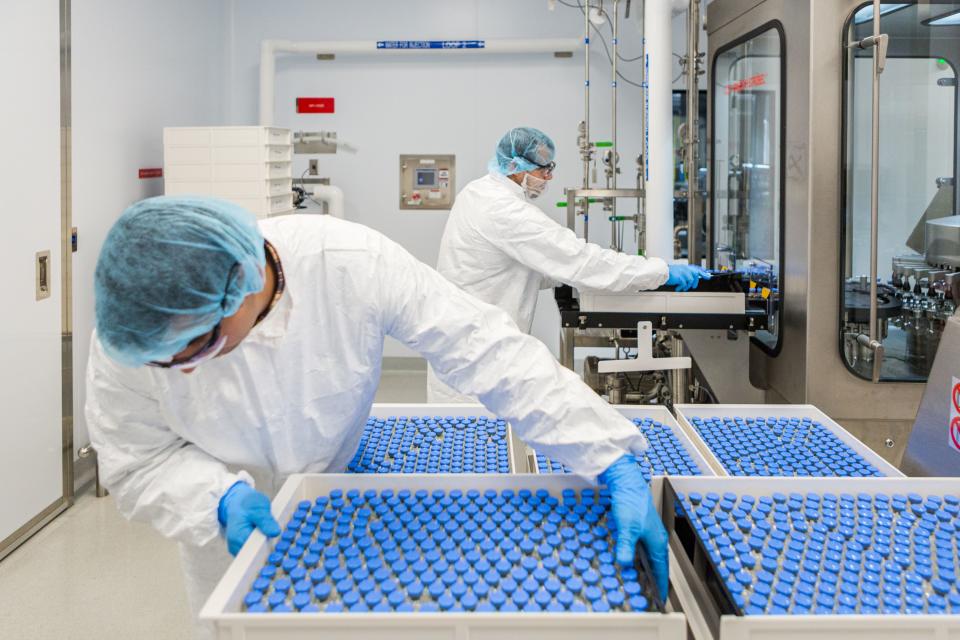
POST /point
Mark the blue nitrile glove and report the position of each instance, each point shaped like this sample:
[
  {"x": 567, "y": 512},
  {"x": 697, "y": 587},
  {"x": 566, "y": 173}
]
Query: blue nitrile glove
[
  {"x": 686, "y": 276},
  {"x": 636, "y": 518},
  {"x": 242, "y": 509}
]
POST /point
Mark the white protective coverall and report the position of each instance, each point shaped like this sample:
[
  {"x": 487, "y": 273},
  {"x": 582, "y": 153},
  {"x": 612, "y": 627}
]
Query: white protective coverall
[
  {"x": 295, "y": 395},
  {"x": 501, "y": 248}
]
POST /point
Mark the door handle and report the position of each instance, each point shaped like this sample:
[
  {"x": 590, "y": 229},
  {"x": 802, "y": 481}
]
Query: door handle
[{"x": 43, "y": 275}]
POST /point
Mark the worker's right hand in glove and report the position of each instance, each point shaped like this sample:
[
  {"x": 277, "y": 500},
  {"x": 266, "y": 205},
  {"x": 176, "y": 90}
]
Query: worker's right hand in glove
[
  {"x": 686, "y": 276},
  {"x": 636, "y": 519},
  {"x": 243, "y": 509}
]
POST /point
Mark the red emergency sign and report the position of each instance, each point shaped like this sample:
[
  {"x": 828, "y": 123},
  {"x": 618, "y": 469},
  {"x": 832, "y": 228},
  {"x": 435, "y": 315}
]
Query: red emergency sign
[{"x": 315, "y": 105}]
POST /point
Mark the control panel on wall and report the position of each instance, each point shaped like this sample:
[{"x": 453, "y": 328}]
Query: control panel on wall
[{"x": 427, "y": 182}]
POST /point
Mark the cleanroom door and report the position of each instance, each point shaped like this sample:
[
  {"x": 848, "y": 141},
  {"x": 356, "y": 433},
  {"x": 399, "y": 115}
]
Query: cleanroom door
[{"x": 31, "y": 432}]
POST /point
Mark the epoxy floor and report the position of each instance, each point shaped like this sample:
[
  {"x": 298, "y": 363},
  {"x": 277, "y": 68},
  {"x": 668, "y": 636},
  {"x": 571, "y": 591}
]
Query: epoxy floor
[{"x": 90, "y": 574}]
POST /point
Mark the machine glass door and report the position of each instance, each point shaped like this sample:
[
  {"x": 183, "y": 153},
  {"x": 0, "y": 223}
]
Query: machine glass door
[
  {"x": 917, "y": 251},
  {"x": 747, "y": 175}
]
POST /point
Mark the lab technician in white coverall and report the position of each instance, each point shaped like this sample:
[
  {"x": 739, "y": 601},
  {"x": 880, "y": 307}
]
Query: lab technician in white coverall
[
  {"x": 229, "y": 354},
  {"x": 500, "y": 247}
]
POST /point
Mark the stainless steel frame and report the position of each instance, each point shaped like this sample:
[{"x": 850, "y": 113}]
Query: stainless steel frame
[
  {"x": 809, "y": 368},
  {"x": 692, "y": 68},
  {"x": 68, "y": 241},
  {"x": 60, "y": 505}
]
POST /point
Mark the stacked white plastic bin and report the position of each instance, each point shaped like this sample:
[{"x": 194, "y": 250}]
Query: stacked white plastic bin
[{"x": 250, "y": 166}]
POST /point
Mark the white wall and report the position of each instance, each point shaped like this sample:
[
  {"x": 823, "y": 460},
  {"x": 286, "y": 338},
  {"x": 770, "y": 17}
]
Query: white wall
[
  {"x": 137, "y": 66},
  {"x": 431, "y": 104}
]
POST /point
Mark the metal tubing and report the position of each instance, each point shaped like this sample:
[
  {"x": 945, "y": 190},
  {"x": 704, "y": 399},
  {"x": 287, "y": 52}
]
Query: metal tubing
[
  {"x": 875, "y": 176},
  {"x": 586, "y": 99},
  {"x": 612, "y": 183},
  {"x": 875, "y": 194},
  {"x": 678, "y": 377},
  {"x": 640, "y": 223},
  {"x": 88, "y": 451},
  {"x": 693, "y": 129},
  {"x": 567, "y": 344}
]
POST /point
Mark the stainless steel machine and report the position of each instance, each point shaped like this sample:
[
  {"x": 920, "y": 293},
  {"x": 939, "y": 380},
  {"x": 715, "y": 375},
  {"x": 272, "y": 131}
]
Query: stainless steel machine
[
  {"x": 650, "y": 333},
  {"x": 832, "y": 154},
  {"x": 832, "y": 168}
]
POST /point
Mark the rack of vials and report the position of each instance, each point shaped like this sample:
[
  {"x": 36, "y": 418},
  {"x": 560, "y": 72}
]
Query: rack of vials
[
  {"x": 797, "y": 558},
  {"x": 437, "y": 556},
  {"x": 778, "y": 440},
  {"x": 411, "y": 438},
  {"x": 671, "y": 451}
]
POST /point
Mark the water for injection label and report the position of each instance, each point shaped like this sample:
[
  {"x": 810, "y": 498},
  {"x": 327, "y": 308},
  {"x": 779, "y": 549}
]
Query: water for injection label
[{"x": 431, "y": 44}]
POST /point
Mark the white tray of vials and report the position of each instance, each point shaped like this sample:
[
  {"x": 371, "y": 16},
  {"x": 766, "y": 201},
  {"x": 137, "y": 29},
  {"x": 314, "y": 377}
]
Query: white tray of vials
[
  {"x": 569, "y": 608},
  {"x": 671, "y": 452},
  {"x": 877, "y": 606},
  {"x": 391, "y": 442},
  {"x": 790, "y": 440}
]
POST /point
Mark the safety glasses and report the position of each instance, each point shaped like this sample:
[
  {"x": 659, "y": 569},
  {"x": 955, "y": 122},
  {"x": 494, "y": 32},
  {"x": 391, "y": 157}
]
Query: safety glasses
[
  {"x": 547, "y": 168},
  {"x": 211, "y": 349}
]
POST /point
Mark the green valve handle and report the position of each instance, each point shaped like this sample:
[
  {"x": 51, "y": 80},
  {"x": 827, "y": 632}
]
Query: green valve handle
[
  {"x": 603, "y": 143},
  {"x": 619, "y": 218},
  {"x": 563, "y": 203}
]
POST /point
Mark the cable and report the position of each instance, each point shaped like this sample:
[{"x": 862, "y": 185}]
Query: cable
[
  {"x": 709, "y": 393},
  {"x": 303, "y": 185},
  {"x": 603, "y": 40},
  {"x": 610, "y": 59}
]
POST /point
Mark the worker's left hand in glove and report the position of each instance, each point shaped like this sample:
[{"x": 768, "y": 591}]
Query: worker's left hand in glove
[
  {"x": 243, "y": 509},
  {"x": 636, "y": 518}
]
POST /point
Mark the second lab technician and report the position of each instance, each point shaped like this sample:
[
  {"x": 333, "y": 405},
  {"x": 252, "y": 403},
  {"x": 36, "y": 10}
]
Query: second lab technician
[{"x": 503, "y": 249}]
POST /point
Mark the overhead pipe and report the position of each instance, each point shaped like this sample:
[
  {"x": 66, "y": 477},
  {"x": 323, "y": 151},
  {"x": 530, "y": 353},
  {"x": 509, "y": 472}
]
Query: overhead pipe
[{"x": 270, "y": 48}]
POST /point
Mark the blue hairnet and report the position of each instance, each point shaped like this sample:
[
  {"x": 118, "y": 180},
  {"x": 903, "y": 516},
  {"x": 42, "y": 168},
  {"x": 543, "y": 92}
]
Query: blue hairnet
[
  {"x": 170, "y": 269},
  {"x": 522, "y": 149}
]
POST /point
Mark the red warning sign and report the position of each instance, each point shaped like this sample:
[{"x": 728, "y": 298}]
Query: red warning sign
[
  {"x": 956, "y": 397},
  {"x": 153, "y": 172},
  {"x": 315, "y": 105},
  {"x": 955, "y": 433}
]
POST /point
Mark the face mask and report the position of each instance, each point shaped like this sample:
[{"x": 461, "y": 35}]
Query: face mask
[{"x": 533, "y": 186}]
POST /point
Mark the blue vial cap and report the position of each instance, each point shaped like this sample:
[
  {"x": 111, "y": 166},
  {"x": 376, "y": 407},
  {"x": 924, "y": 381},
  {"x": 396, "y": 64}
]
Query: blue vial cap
[
  {"x": 592, "y": 594},
  {"x": 415, "y": 590},
  {"x": 301, "y": 600},
  {"x": 321, "y": 591}
]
